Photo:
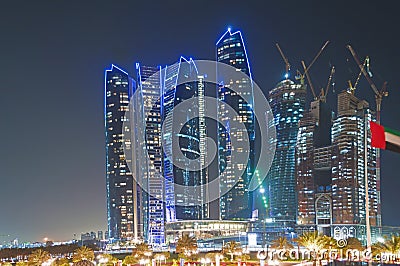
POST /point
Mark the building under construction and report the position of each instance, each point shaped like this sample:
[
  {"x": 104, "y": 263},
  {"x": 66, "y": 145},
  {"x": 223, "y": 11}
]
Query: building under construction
[{"x": 330, "y": 162}]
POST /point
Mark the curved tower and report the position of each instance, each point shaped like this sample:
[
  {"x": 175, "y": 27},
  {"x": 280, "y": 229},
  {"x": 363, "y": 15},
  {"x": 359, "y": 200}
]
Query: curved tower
[{"x": 287, "y": 101}]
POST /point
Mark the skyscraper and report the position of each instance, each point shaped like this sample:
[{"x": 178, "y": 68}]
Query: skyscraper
[
  {"x": 119, "y": 87},
  {"x": 314, "y": 166},
  {"x": 349, "y": 131},
  {"x": 237, "y": 203},
  {"x": 147, "y": 110},
  {"x": 185, "y": 190},
  {"x": 287, "y": 101},
  {"x": 331, "y": 173}
]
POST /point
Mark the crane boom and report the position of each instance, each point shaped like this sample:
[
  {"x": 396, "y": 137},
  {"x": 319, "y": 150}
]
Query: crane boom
[
  {"x": 316, "y": 57},
  {"x": 329, "y": 81},
  {"x": 371, "y": 83},
  {"x": 359, "y": 74},
  {"x": 306, "y": 69},
  {"x": 308, "y": 78},
  {"x": 287, "y": 65}
]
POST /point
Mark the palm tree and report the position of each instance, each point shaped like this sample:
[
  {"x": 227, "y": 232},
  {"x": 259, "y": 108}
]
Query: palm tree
[
  {"x": 83, "y": 253},
  {"x": 390, "y": 245},
  {"x": 213, "y": 255},
  {"x": 231, "y": 248},
  {"x": 37, "y": 257},
  {"x": 141, "y": 250},
  {"x": 129, "y": 260},
  {"x": 110, "y": 259},
  {"x": 353, "y": 243},
  {"x": 314, "y": 242},
  {"x": 186, "y": 246},
  {"x": 163, "y": 256},
  {"x": 245, "y": 257},
  {"x": 281, "y": 243},
  {"x": 60, "y": 262},
  {"x": 329, "y": 242}
]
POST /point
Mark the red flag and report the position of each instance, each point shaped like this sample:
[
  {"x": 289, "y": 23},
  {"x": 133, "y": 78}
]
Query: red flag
[{"x": 378, "y": 139}]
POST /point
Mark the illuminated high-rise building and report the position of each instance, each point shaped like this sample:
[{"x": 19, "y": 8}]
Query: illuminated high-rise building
[
  {"x": 119, "y": 87},
  {"x": 331, "y": 172},
  {"x": 314, "y": 166},
  {"x": 349, "y": 131},
  {"x": 185, "y": 187},
  {"x": 237, "y": 202},
  {"x": 147, "y": 113},
  {"x": 287, "y": 101}
]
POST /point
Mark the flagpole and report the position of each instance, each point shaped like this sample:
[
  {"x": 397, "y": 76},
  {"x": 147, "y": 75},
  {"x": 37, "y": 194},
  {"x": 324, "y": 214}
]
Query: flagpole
[{"x": 367, "y": 221}]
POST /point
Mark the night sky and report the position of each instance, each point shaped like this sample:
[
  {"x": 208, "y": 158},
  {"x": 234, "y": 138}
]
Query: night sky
[{"x": 53, "y": 55}]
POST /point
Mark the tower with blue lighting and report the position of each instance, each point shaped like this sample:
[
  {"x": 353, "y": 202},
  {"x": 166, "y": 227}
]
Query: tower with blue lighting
[
  {"x": 287, "y": 101},
  {"x": 237, "y": 203},
  {"x": 121, "y": 188},
  {"x": 147, "y": 112},
  {"x": 183, "y": 82}
]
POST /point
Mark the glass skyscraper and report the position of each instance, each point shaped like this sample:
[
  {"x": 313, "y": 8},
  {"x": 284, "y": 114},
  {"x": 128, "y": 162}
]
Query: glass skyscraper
[
  {"x": 147, "y": 113},
  {"x": 183, "y": 82},
  {"x": 119, "y": 87},
  {"x": 287, "y": 101},
  {"x": 237, "y": 203}
]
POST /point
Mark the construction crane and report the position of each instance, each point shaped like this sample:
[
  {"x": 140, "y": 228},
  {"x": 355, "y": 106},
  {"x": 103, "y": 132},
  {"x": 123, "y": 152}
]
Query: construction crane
[
  {"x": 379, "y": 94},
  {"x": 308, "y": 79},
  {"x": 352, "y": 87},
  {"x": 287, "y": 65},
  {"x": 324, "y": 93},
  {"x": 301, "y": 76}
]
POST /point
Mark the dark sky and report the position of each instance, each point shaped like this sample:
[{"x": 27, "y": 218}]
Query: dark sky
[{"x": 53, "y": 55}]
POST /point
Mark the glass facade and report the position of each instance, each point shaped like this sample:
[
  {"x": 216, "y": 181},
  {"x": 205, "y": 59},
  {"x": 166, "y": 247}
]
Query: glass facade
[
  {"x": 152, "y": 193},
  {"x": 205, "y": 229},
  {"x": 287, "y": 101},
  {"x": 305, "y": 186},
  {"x": 349, "y": 131},
  {"x": 313, "y": 166},
  {"x": 182, "y": 82},
  {"x": 237, "y": 203},
  {"x": 119, "y": 87},
  {"x": 331, "y": 174}
]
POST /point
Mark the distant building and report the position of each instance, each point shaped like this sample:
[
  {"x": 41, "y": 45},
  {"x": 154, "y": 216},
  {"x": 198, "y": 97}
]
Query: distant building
[
  {"x": 287, "y": 101},
  {"x": 100, "y": 235}
]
